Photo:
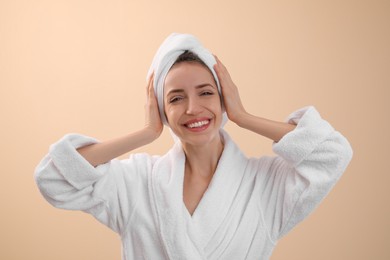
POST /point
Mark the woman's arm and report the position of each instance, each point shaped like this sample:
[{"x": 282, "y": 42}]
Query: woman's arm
[
  {"x": 237, "y": 113},
  {"x": 271, "y": 129},
  {"x": 100, "y": 153}
]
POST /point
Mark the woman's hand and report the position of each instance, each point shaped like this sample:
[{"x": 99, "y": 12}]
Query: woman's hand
[
  {"x": 236, "y": 112},
  {"x": 103, "y": 152},
  {"x": 153, "y": 123},
  {"x": 233, "y": 105}
]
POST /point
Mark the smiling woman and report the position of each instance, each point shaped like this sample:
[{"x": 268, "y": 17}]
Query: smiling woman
[
  {"x": 192, "y": 103},
  {"x": 203, "y": 199},
  {"x": 194, "y": 113}
]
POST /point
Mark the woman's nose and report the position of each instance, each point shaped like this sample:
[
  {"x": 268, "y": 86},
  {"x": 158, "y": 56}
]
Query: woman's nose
[{"x": 193, "y": 107}]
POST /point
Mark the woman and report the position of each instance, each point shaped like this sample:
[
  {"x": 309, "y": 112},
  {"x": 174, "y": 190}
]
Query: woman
[{"x": 203, "y": 199}]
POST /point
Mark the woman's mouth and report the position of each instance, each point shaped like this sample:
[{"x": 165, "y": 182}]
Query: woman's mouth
[{"x": 197, "y": 125}]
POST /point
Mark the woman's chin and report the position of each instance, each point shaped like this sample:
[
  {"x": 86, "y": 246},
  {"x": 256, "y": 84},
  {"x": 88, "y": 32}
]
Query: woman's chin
[{"x": 200, "y": 140}]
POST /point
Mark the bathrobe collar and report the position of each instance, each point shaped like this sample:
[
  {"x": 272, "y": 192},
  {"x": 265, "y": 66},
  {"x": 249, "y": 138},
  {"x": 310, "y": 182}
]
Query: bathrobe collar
[{"x": 182, "y": 235}]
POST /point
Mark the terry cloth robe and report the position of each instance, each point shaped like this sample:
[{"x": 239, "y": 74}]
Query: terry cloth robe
[{"x": 249, "y": 205}]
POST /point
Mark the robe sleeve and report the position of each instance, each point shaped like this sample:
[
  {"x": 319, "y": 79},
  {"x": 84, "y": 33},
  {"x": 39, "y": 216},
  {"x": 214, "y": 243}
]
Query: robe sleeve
[
  {"x": 310, "y": 160},
  {"x": 109, "y": 191}
]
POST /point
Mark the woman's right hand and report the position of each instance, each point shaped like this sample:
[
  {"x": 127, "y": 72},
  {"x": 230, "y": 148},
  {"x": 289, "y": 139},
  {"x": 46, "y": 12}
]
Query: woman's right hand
[
  {"x": 103, "y": 152},
  {"x": 153, "y": 123}
]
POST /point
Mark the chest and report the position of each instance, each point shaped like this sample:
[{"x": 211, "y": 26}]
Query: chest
[{"x": 193, "y": 191}]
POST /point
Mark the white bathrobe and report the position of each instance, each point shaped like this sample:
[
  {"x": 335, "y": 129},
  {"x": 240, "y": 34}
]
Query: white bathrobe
[{"x": 249, "y": 205}]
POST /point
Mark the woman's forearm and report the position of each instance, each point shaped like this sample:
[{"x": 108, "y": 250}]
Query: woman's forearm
[
  {"x": 271, "y": 129},
  {"x": 100, "y": 153}
]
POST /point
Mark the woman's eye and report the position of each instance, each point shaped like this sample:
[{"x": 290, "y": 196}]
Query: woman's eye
[
  {"x": 175, "y": 99},
  {"x": 206, "y": 93}
]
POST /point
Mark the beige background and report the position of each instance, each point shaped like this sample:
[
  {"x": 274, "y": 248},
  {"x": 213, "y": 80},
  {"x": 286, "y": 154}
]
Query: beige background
[{"x": 80, "y": 66}]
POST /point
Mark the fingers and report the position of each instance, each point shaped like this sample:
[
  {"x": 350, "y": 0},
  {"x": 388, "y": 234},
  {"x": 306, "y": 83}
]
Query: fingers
[
  {"x": 216, "y": 65},
  {"x": 149, "y": 87},
  {"x": 222, "y": 72},
  {"x": 219, "y": 67},
  {"x": 219, "y": 63}
]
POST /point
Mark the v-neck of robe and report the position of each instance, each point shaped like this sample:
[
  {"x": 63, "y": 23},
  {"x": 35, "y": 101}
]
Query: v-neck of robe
[
  {"x": 220, "y": 193},
  {"x": 173, "y": 218}
]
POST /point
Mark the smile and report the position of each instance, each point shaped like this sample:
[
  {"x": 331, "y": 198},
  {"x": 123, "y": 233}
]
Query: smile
[{"x": 198, "y": 124}]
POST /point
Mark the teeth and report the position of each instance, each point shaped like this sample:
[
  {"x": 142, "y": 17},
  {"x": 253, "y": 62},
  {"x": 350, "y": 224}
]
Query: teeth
[{"x": 198, "y": 124}]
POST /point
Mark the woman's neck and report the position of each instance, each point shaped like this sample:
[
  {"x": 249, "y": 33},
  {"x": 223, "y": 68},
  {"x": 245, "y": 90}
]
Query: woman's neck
[{"x": 202, "y": 160}]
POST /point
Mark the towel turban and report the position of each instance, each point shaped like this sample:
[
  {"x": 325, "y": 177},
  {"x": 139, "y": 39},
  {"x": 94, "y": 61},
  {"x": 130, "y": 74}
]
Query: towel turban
[{"x": 172, "y": 47}]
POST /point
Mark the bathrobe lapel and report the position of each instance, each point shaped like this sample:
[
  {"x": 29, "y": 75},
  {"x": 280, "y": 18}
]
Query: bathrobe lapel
[
  {"x": 169, "y": 212},
  {"x": 219, "y": 197},
  {"x": 184, "y": 236}
]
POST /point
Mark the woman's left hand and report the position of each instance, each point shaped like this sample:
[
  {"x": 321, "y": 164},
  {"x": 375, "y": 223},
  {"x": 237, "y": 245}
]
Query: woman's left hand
[{"x": 231, "y": 97}]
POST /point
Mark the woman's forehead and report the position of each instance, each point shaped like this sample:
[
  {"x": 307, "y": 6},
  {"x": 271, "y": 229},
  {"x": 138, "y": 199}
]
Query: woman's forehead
[{"x": 188, "y": 75}]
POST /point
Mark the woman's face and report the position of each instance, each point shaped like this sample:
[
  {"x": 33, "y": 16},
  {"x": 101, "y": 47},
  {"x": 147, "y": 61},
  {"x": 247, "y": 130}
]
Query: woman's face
[{"x": 192, "y": 103}]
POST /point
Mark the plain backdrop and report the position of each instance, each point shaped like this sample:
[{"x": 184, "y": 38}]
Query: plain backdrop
[{"x": 80, "y": 66}]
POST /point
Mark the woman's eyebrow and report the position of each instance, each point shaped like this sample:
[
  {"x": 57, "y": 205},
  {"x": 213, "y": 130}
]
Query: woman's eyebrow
[
  {"x": 179, "y": 90},
  {"x": 204, "y": 85},
  {"x": 176, "y": 90}
]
